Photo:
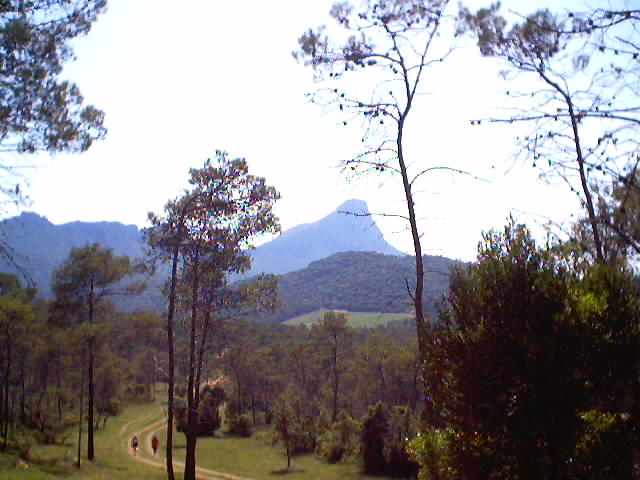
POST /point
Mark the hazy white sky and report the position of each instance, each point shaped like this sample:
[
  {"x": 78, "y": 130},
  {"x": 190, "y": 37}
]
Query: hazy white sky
[{"x": 178, "y": 83}]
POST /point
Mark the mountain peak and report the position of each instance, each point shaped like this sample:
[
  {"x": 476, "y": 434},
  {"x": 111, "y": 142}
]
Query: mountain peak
[
  {"x": 337, "y": 232},
  {"x": 355, "y": 206},
  {"x": 32, "y": 218}
]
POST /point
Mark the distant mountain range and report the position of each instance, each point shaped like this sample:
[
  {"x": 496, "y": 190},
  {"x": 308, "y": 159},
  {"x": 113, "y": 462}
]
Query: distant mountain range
[
  {"x": 38, "y": 247},
  {"x": 323, "y": 274}
]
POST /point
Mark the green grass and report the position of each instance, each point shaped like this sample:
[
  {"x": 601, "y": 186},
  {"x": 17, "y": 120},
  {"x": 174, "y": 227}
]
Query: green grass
[
  {"x": 257, "y": 458},
  {"x": 355, "y": 319},
  {"x": 253, "y": 457},
  {"x": 56, "y": 462}
]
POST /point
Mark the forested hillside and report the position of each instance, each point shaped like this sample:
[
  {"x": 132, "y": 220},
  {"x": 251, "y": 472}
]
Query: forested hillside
[{"x": 361, "y": 282}]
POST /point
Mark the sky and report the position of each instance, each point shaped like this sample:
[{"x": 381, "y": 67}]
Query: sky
[{"x": 176, "y": 84}]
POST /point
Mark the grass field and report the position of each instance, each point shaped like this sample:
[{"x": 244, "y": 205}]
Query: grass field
[
  {"x": 355, "y": 319},
  {"x": 112, "y": 460},
  {"x": 252, "y": 458},
  {"x": 258, "y": 459}
]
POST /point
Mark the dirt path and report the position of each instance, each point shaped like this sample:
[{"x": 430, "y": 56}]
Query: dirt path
[{"x": 145, "y": 454}]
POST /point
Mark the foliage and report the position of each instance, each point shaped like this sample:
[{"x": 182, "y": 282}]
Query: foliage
[
  {"x": 240, "y": 425},
  {"x": 137, "y": 392},
  {"x": 208, "y": 418},
  {"x": 88, "y": 268},
  {"x": 39, "y": 110},
  {"x": 17, "y": 314},
  {"x": 432, "y": 451},
  {"x": 359, "y": 282},
  {"x": 618, "y": 210},
  {"x": 605, "y": 438},
  {"x": 341, "y": 440},
  {"x": 584, "y": 109},
  {"x": 375, "y": 428},
  {"x": 283, "y": 427},
  {"x": 335, "y": 339},
  {"x": 401, "y": 428},
  {"x": 521, "y": 335}
]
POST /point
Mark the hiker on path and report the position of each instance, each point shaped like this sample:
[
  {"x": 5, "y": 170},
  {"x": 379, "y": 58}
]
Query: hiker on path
[
  {"x": 134, "y": 445},
  {"x": 155, "y": 443}
]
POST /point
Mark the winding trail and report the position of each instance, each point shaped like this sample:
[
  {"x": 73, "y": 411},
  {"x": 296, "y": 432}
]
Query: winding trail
[{"x": 146, "y": 456}]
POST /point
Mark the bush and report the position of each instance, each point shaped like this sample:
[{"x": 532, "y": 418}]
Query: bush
[
  {"x": 401, "y": 427},
  {"x": 240, "y": 425},
  {"x": 341, "y": 440},
  {"x": 374, "y": 430},
  {"x": 432, "y": 451},
  {"x": 137, "y": 392},
  {"x": 603, "y": 448},
  {"x": 331, "y": 449},
  {"x": 19, "y": 443}
]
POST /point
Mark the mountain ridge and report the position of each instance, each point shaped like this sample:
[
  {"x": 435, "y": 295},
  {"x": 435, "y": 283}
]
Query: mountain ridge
[{"x": 39, "y": 247}]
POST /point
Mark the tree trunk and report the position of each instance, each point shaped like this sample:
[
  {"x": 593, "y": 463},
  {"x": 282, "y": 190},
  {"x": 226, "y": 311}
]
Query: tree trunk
[
  {"x": 2, "y": 404},
  {"x": 6, "y": 396},
  {"x": 2, "y": 388},
  {"x": 253, "y": 408},
  {"x": 591, "y": 213},
  {"x": 90, "y": 408},
  {"x": 153, "y": 379},
  {"x": 336, "y": 379},
  {"x": 81, "y": 412},
  {"x": 23, "y": 398},
  {"x": 200, "y": 364},
  {"x": 288, "y": 455},
  {"x": 417, "y": 294},
  {"x": 192, "y": 413},
  {"x": 59, "y": 390},
  {"x": 171, "y": 379}
]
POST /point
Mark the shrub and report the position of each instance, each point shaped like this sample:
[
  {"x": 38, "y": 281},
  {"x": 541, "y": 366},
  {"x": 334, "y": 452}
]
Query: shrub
[
  {"x": 374, "y": 430},
  {"x": 341, "y": 440},
  {"x": 240, "y": 425},
  {"x": 331, "y": 449},
  {"x": 137, "y": 392},
  {"x": 432, "y": 451}
]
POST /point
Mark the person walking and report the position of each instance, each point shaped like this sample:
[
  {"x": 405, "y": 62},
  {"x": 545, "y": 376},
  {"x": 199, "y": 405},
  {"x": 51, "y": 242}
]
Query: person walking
[
  {"x": 155, "y": 443},
  {"x": 134, "y": 445}
]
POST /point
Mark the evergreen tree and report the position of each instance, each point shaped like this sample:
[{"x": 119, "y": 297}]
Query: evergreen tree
[{"x": 88, "y": 276}]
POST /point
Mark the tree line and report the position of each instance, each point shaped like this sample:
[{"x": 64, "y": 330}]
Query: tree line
[{"x": 49, "y": 387}]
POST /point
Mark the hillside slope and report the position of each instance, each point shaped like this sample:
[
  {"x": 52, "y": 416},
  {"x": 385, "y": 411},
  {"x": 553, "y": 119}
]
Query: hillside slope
[{"x": 360, "y": 282}]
